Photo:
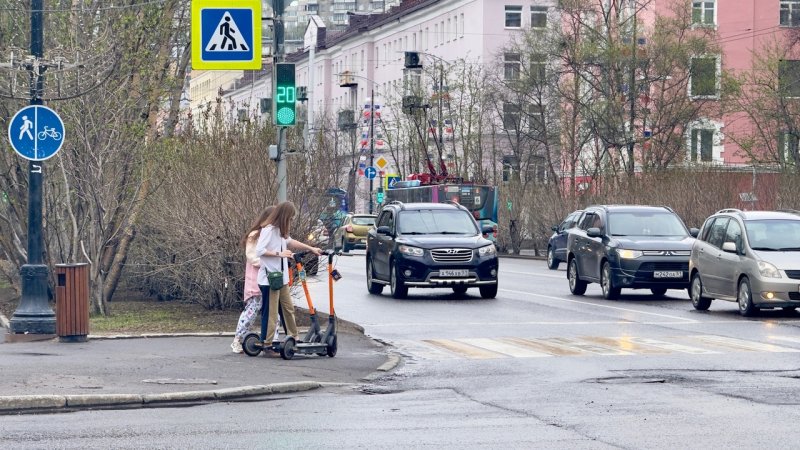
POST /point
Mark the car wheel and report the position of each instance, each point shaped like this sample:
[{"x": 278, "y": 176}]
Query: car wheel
[
  {"x": 372, "y": 287},
  {"x": 552, "y": 261},
  {"x": 399, "y": 290},
  {"x": 489, "y": 290},
  {"x": 745, "y": 298},
  {"x": 345, "y": 248},
  {"x": 658, "y": 292},
  {"x": 699, "y": 302},
  {"x": 576, "y": 285},
  {"x": 459, "y": 290},
  {"x": 607, "y": 283},
  {"x": 789, "y": 309}
]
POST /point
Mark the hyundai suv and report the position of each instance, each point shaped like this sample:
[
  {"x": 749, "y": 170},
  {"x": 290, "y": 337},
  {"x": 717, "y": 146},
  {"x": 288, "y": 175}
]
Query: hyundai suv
[
  {"x": 637, "y": 247},
  {"x": 429, "y": 245},
  {"x": 748, "y": 257}
]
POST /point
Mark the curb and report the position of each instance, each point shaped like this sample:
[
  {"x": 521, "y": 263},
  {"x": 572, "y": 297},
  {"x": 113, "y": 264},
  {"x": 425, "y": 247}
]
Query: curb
[{"x": 23, "y": 404}]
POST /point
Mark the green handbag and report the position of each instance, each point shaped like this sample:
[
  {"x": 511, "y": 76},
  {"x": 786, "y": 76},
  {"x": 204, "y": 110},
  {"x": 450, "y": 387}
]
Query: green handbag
[{"x": 275, "y": 280}]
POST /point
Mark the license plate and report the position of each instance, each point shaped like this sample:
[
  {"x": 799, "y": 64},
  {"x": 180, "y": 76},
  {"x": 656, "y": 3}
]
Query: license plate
[
  {"x": 453, "y": 272},
  {"x": 667, "y": 274}
]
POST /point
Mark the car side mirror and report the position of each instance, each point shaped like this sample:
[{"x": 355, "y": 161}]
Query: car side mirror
[
  {"x": 487, "y": 230},
  {"x": 729, "y": 247},
  {"x": 594, "y": 232},
  {"x": 554, "y": 228},
  {"x": 694, "y": 232},
  {"x": 384, "y": 230}
]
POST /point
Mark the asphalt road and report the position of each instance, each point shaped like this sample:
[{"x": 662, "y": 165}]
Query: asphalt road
[{"x": 534, "y": 368}]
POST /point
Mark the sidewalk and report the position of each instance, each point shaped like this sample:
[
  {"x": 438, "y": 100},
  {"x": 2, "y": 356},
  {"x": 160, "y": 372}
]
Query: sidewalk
[{"x": 135, "y": 372}]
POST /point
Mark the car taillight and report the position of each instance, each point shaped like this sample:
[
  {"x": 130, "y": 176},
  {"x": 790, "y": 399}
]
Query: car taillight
[{"x": 349, "y": 228}]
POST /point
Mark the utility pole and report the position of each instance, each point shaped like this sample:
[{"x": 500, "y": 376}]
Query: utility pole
[
  {"x": 34, "y": 315},
  {"x": 277, "y": 42},
  {"x": 632, "y": 94},
  {"x": 371, "y": 140}
]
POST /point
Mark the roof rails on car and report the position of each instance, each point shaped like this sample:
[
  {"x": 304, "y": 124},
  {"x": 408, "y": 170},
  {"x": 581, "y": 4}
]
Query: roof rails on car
[
  {"x": 731, "y": 211},
  {"x": 397, "y": 202},
  {"x": 459, "y": 205},
  {"x": 790, "y": 211}
]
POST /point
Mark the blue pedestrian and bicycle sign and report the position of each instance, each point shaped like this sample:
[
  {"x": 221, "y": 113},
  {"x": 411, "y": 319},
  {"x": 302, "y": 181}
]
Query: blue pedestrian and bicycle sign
[
  {"x": 36, "y": 132},
  {"x": 370, "y": 172}
]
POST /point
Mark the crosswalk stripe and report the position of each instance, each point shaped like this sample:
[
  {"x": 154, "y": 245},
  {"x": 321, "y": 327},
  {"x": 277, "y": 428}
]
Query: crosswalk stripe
[
  {"x": 673, "y": 347},
  {"x": 467, "y": 350},
  {"x": 628, "y": 344},
  {"x": 499, "y": 346},
  {"x": 739, "y": 344},
  {"x": 545, "y": 347},
  {"x": 588, "y": 346},
  {"x": 424, "y": 350}
]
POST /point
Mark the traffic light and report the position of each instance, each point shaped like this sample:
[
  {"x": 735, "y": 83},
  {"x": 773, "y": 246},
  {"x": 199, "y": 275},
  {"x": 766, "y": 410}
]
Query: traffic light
[
  {"x": 380, "y": 196},
  {"x": 412, "y": 60},
  {"x": 285, "y": 95}
]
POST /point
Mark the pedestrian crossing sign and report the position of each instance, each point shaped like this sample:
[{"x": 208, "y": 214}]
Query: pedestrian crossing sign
[{"x": 226, "y": 35}]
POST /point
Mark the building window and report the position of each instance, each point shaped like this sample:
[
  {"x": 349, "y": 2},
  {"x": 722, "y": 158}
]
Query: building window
[
  {"x": 788, "y": 149},
  {"x": 511, "y": 63},
  {"x": 449, "y": 30},
  {"x": 461, "y": 24},
  {"x": 790, "y": 13},
  {"x": 702, "y": 145},
  {"x": 435, "y": 33},
  {"x": 455, "y": 27},
  {"x": 538, "y": 67},
  {"x": 704, "y": 73},
  {"x": 513, "y": 16},
  {"x": 510, "y": 116},
  {"x": 789, "y": 77},
  {"x": 538, "y": 17},
  {"x": 536, "y": 121},
  {"x": 703, "y": 13}
]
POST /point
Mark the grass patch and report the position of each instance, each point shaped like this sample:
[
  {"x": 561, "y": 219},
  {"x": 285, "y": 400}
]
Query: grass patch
[{"x": 162, "y": 317}]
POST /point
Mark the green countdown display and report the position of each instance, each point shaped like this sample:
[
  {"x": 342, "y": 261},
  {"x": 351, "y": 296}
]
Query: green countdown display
[{"x": 285, "y": 95}]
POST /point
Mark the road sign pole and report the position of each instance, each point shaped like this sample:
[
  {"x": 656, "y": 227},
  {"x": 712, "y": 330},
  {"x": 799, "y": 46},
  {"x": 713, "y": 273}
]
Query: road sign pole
[
  {"x": 34, "y": 315},
  {"x": 277, "y": 28}
]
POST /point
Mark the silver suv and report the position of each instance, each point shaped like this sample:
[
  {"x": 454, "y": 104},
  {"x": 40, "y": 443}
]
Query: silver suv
[{"x": 749, "y": 257}]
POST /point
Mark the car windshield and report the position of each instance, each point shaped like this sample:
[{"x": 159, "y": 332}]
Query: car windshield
[
  {"x": 363, "y": 221},
  {"x": 437, "y": 221},
  {"x": 645, "y": 224},
  {"x": 774, "y": 235}
]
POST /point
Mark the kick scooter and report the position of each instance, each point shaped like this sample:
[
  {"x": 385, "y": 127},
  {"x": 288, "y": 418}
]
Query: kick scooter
[{"x": 315, "y": 342}]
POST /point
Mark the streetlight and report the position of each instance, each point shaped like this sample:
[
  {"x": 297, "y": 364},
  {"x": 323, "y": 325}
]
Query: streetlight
[{"x": 348, "y": 83}]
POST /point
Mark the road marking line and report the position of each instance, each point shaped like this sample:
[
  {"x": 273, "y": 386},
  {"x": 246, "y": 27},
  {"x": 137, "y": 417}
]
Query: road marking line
[
  {"x": 463, "y": 349},
  {"x": 424, "y": 350},
  {"x": 563, "y": 276},
  {"x": 738, "y": 344},
  {"x": 793, "y": 339},
  {"x": 499, "y": 346},
  {"x": 684, "y": 320},
  {"x": 672, "y": 347}
]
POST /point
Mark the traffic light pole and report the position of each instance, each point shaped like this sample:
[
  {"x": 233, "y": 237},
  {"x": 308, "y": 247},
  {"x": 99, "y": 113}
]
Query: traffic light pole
[
  {"x": 277, "y": 27},
  {"x": 34, "y": 316}
]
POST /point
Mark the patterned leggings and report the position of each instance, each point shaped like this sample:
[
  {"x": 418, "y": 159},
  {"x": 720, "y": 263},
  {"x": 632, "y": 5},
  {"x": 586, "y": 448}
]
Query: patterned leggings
[{"x": 248, "y": 316}]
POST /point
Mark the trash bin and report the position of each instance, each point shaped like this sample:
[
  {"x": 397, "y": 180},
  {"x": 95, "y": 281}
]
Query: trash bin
[{"x": 72, "y": 302}]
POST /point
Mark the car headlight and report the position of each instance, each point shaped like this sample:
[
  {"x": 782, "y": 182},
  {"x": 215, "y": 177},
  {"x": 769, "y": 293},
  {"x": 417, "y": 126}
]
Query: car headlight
[
  {"x": 768, "y": 270},
  {"x": 411, "y": 251},
  {"x": 488, "y": 250},
  {"x": 628, "y": 254}
]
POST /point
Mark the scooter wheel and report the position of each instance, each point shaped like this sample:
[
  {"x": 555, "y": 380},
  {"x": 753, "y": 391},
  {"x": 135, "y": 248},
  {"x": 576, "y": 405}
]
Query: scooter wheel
[
  {"x": 287, "y": 348},
  {"x": 251, "y": 345},
  {"x": 332, "y": 346}
]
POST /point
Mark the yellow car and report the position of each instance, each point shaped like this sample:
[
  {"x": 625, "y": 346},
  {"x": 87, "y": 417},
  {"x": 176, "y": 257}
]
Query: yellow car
[{"x": 353, "y": 232}]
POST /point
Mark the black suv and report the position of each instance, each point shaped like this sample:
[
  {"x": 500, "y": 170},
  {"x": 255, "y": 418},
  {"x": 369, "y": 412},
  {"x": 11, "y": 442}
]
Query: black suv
[
  {"x": 429, "y": 245},
  {"x": 638, "y": 247}
]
